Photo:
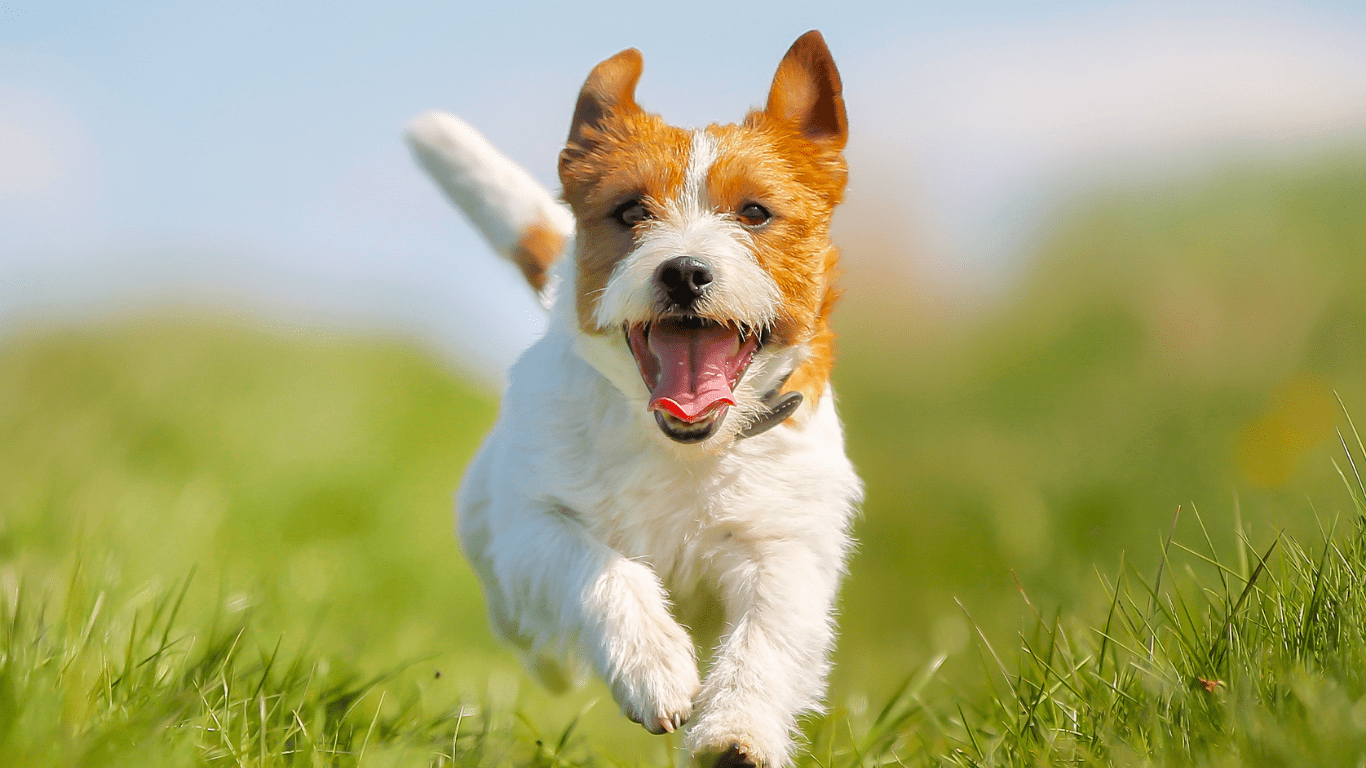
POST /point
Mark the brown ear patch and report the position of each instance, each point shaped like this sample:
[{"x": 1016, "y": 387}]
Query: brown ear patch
[
  {"x": 610, "y": 87},
  {"x": 807, "y": 92}
]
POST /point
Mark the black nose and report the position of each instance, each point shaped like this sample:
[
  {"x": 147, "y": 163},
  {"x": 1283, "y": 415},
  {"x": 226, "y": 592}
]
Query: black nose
[{"x": 684, "y": 280}]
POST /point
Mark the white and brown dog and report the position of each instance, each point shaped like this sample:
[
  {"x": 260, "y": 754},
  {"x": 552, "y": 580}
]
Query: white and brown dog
[{"x": 668, "y": 455}]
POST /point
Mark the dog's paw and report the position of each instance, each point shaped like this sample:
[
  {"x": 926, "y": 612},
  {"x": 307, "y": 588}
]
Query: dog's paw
[
  {"x": 735, "y": 740},
  {"x": 735, "y": 757},
  {"x": 656, "y": 681}
]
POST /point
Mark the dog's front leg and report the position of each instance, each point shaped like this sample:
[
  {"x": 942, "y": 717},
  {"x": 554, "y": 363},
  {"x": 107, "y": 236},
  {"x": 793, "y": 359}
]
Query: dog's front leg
[
  {"x": 559, "y": 582},
  {"x": 771, "y": 666}
]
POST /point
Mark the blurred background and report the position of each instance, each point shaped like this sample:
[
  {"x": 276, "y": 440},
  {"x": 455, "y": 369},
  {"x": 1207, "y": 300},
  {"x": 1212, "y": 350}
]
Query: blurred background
[{"x": 1102, "y": 260}]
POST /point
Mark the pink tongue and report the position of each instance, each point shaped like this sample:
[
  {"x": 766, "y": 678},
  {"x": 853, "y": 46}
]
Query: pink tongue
[{"x": 695, "y": 368}]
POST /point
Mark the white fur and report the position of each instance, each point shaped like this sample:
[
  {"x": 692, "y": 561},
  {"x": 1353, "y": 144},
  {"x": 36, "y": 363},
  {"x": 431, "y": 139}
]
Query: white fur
[
  {"x": 584, "y": 522},
  {"x": 500, "y": 198},
  {"x": 702, "y": 154},
  {"x": 592, "y": 533},
  {"x": 688, "y": 226}
]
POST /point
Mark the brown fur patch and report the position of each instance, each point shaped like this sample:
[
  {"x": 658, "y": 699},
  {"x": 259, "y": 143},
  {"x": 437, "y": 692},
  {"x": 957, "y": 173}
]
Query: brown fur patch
[
  {"x": 813, "y": 375},
  {"x": 631, "y": 155},
  {"x": 799, "y": 182},
  {"x": 535, "y": 251},
  {"x": 807, "y": 91}
]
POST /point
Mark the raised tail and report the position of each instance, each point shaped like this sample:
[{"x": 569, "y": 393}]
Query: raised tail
[{"x": 514, "y": 213}]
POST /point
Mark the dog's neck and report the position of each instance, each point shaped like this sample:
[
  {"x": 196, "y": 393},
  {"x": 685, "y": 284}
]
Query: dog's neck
[{"x": 780, "y": 407}]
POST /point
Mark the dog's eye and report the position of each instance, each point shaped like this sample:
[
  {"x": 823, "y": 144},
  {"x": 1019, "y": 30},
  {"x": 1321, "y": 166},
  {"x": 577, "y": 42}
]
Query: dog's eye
[
  {"x": 631, "y": 213},
  {"x": 754, "y": 215}
]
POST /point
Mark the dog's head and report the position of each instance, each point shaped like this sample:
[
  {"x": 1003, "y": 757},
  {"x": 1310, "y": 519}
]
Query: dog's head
[{"x": 704, "y": 254}]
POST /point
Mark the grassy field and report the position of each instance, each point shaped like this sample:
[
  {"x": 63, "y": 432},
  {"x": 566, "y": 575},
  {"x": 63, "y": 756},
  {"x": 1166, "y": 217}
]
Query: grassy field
[{"x": 228, "y": 545}]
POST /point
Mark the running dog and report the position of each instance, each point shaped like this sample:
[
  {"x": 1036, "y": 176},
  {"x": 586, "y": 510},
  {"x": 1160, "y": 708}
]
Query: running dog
[{"x": 668, "y": 455}]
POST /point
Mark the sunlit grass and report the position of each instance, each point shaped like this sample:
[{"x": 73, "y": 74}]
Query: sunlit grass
[
  {"x": 224, "y": 546},
  {"x": 1258, "y": 660},
  {"x": 1254, "y": 659},
  {"x": 253, "y": 655},
  {"x": 87, "y": 678},
  {"x": 1172, "y": 343}
]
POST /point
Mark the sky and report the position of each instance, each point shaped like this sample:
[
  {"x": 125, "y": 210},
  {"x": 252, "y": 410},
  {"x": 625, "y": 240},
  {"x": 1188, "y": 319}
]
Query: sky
[{"x": 248, "y": 156}]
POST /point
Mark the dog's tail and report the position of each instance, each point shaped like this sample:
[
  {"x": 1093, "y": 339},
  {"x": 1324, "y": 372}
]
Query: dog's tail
[{"x": 514, "y": 213}]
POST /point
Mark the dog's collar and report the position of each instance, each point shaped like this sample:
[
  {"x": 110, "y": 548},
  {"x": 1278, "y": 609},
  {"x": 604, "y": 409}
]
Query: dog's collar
[{"x": 779, "y": 407}]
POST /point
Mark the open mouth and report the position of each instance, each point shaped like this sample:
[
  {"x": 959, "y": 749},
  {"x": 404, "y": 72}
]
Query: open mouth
[{"x": 691, "y": 366}]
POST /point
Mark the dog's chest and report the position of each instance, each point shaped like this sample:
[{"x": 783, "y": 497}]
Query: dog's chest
[
  {"x": 686, "y": 515},
  {"x": 679, "y": 517},
  {"x": 694, "y": 517}
]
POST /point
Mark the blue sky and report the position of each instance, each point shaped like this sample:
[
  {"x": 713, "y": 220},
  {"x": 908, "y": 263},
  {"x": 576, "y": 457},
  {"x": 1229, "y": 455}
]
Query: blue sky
[{"x": 248, "y": 155}]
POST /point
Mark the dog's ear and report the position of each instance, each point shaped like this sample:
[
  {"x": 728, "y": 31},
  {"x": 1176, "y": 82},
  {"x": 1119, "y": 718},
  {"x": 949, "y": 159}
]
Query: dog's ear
[
  {"x": 611, "y": 87},
  {"x": 807, "y": 92}
]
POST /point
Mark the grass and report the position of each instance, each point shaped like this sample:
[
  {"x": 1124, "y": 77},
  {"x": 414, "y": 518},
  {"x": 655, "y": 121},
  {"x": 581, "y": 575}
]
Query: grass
[
  {"x": 223, "y": 546},
  {"x": 1170, "y": 343},
  {"x": 86, "y": 680},
  {"x": 1254, "y": 659},
  {"x": 174, "y": 527},
  {"x": 90, "y": 680},
  {"x": 1234, "y": 668},
  {"x": 227, "y": 546}
]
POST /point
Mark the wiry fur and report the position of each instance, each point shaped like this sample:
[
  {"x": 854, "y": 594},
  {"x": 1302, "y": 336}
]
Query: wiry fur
[
  {"x": 688, "y": 226},
  {"x": 596, "y": 538}
]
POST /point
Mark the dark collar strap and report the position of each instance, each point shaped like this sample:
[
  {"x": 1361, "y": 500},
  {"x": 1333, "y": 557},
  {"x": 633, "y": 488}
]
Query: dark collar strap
[{"x": 780, "y": 408}]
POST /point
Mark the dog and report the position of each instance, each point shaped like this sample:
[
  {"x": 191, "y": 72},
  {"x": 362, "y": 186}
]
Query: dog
[{"x": 668, "y": 455}]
